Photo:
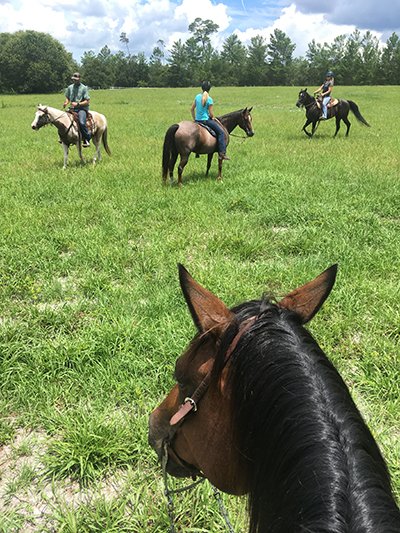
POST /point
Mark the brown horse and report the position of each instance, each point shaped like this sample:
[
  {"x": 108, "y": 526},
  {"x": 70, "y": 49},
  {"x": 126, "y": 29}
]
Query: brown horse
[
  {"x": 68, "y": 129},
  {"x": 258, "y": 408},
  {"x": 187, "y": 137},
  {"x": 340, "y": 111}
]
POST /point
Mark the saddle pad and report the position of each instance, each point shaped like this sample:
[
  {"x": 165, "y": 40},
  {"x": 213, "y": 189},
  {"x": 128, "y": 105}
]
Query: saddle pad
[
  {"x": 208, "y": 129},
  {"x": 332, "y": 102}
]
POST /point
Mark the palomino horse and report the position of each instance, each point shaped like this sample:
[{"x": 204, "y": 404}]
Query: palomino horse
[
  {"x": 69, "y": 130},
  {"x": 187, "y": 137},
  {"x": 273, "y": 418},
  {"x": 340, "y": 111}
]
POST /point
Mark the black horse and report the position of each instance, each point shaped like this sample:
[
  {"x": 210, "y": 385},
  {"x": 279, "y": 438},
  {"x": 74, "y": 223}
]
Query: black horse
[{"x": 340, "y": 111}]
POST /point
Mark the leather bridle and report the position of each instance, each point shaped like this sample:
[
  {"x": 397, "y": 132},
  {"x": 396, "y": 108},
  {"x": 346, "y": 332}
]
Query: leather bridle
[{"x": 191, "y": 403}]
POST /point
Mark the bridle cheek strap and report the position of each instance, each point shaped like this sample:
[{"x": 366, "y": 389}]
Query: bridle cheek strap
[{"x": 190, "y": 404}]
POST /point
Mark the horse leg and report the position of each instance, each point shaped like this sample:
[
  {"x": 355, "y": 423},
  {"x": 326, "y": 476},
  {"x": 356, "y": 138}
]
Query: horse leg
[
  {"x": 314, "y": 127},
  {"x": 337, "y": 125},
  {"x": 78, "y": 147},
  {"x": 348, "y": 124},
  {"x": 65, "y": 148},
  {"x": 182, "y": 164},
  {"x": 97, "y": 152},
  {"x": 171, "y": 165},
  {"x": 220, "y": 168},
  {"x": 304, "y": 128},
  {"x": 209, "y": 159}
]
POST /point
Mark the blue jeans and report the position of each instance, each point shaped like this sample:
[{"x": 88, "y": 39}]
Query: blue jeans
[
  {"x": 220, "y": 134},
  {"x": 325, "y": 100},
  {"x": 82, "y": 114}
]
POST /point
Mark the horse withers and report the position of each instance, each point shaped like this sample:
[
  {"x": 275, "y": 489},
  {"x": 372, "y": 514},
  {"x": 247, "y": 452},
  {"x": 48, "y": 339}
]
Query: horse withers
[
  {"x": 259, "y": 409},
  {"x": 68, "y": 130},
  {"x": 340, "y": 111},
  {"x": 187, "y": 137}
]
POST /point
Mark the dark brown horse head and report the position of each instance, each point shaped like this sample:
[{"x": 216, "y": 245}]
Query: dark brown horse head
[
  {"x": 245, "y": 122},
  {"x": 205, "y": 441},
  {"x": 304, "y": 98}
]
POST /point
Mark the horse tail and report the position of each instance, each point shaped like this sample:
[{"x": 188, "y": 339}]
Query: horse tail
[
  {"x": 169, "y": 146},
  {"x": 355, "y": 110},
  {"x": 104, "y": 139}
]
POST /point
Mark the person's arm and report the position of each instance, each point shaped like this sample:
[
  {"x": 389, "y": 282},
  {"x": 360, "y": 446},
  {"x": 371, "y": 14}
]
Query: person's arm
[
  {"x": 192, "y": 110},
  {"x": 318, "y": 90},
  {"x": 210, "y": 111},
  {"x": 66, "y": 102}
]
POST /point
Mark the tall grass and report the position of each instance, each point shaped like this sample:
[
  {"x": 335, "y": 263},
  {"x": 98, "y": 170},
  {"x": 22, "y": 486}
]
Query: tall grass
[{"x": 91, "y": 314}]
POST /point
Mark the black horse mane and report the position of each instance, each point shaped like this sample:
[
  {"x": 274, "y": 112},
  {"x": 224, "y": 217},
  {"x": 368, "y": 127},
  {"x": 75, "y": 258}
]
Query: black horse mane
[
  {"x": 312, "y": 463},
  {"x": 232, "y": 113}
]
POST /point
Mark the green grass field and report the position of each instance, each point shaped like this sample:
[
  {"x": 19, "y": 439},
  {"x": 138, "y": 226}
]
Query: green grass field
[{"x": 92, "y": 318}]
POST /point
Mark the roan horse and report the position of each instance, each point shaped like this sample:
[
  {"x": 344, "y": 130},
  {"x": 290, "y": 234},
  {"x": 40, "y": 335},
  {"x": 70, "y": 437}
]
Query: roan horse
[
  {"x": 273, "y": 418},
  {"x": 69, "y": 130},
  {"x": 340, "y": 111},
  {"x": 188, "y": 136}
]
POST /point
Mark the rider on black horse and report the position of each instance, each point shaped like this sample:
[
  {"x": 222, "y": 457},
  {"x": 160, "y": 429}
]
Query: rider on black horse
[{"x": 325, "y": 90}]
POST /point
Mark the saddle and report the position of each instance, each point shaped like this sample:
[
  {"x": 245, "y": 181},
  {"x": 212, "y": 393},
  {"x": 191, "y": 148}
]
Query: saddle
[
  {"x": 208, "y": 129},
  {"x": 332, "y": 102},
  {"x": 89, "y": 120}
]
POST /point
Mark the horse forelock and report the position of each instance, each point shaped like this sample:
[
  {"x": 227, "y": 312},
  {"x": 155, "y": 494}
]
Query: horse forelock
[{"x": 296, "y": 423}]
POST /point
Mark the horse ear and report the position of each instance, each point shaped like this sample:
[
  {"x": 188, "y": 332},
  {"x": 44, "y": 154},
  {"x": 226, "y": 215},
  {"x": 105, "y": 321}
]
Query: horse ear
[
  {"x": 308, "y": 299},
  {"x": 208, "y": 312},
  {"x": 249, "y": 111}
]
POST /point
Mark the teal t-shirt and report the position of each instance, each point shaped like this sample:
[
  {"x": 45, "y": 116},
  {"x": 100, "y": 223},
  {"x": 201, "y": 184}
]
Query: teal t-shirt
[
  {"x": 202, "y": 112},
  {"x": 78, "y": 93}
]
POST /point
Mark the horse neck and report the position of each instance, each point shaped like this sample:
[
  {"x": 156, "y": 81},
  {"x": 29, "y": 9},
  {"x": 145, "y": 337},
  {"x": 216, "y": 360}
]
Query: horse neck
[
  {"x": 60, "y": 119},
  {"x": 230, "y": 120},
  {"x": 310, "y": 99},
  {"x": 301, "y": 432}
]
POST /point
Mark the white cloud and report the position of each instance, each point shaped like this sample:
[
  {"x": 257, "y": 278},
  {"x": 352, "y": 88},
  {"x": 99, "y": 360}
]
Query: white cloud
[
  {"x": 301, "y": 29},
  {"x": 204, "y": 9},
  {"x": 31, "y": 15},
  {"x": 82, "y": 25}
]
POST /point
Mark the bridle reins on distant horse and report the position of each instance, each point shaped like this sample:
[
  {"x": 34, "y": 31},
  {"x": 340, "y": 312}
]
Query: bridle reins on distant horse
[
  {"x": 190, "y": 404},
  {"x": 68, "y": 114}
]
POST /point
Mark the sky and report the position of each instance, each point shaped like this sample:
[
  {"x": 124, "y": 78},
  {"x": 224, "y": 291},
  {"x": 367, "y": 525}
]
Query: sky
[{"x": 84, "y": 25}]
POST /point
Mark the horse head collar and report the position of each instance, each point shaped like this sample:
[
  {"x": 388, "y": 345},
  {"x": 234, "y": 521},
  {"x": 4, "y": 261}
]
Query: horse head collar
[
  {"x": 246, "y": 122},
  {"x": 302, "y": 98},
  {"x": 42, "y": 117}
]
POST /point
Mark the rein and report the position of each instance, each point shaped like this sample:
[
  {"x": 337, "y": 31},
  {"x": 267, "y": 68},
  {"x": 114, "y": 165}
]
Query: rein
[
  {"x": 190, "y": 404},
  {"x": 169, "y": 493},
  {"x": 239, "y": 137}
]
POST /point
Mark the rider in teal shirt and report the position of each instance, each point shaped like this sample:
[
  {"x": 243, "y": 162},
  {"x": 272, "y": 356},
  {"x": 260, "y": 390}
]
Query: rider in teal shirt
[{"x": 203, "y": 105}]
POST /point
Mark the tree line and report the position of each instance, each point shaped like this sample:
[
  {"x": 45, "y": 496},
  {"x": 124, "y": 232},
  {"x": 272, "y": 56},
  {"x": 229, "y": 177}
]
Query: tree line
[{"x": 33, "y": 62}]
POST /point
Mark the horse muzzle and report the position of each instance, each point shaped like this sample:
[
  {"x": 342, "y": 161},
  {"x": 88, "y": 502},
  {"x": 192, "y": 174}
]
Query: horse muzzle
[{"x": 158, "y": 436}]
